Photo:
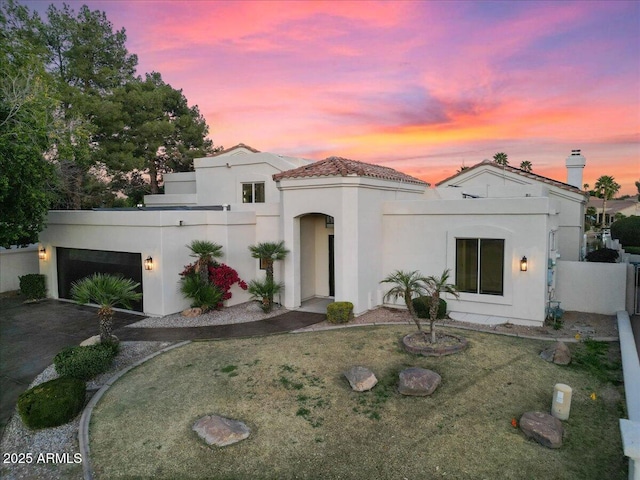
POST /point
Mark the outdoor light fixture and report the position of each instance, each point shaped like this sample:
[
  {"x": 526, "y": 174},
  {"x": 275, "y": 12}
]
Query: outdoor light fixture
[
  {"x": 148, "y": 263},
  {"x": 524, "y": 264},
  {"x": 42, "y": 253}
]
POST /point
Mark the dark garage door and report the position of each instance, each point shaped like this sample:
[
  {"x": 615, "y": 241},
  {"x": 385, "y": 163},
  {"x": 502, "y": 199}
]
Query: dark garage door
[{"x": 74, "y": 264}]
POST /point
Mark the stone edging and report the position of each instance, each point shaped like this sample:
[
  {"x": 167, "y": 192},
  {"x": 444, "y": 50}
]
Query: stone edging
[{"x": 83, "y": 429}]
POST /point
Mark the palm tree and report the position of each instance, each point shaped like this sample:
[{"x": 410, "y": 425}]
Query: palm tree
[
  {"x": 606, "y": 187},
  {"x": 435, "y": 286},
  {"x": 268, "y": 252},
  {"x": 107, "y": 291},
  {"x": 501, "y": 159},
  {"x": 526, "y": 166},
  {"x": 406, "y": 285},
  {"x": 205, "y": 252}
]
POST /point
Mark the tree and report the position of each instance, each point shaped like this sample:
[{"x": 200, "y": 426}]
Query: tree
[
  {"x": 204, "y": 251},
  {"x": 462, "y": 168},
  {"x": 638, "y": 188},
  {"x": 406, "y": 285},
  {"x": 526, "y": 166},
  {"x": 149, "y": 126},
  {"x": 107, "y": 291},
  {"x": 606, "y": 187},
  {"x": 267, "y": 253},
  {"x": 501, "y": 159},
  {"x": 26, "y": 122},
  {"x": 435, "y": 286}
]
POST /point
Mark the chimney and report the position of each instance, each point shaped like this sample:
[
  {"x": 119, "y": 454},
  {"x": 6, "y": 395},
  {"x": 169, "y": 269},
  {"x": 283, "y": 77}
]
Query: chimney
[{"x": 575, "y": 167}]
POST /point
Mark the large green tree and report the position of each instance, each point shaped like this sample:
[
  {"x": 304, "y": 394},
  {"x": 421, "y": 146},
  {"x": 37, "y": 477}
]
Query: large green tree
[
  {"x": 606, "y": 187},
  {"x": 26, "y": 122},
  {"x": 148, "y": 126}
]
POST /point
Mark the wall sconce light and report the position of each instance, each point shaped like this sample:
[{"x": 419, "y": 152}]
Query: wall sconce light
[
  {"x": 148, "y": 263},
  {"x": 524, "y": 264},
  {"x": 42, "y": 253}
]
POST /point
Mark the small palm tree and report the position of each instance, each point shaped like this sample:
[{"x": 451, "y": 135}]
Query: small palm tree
[
  {"x": 526, "y": 166},
  {"x": 264, "y": 291},
  {"x": 205, "y": 252},
  {"x": 606, "y": 187},
  {"x": 406, "y": 285},
  {"x": 268, "y": 252},
  {"x": 501, "y": 159},
  {"x": 107, "y": 291},
  {"x": 435, "y": 286}
]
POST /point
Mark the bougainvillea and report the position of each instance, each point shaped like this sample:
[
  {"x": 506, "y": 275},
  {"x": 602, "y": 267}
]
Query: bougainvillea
[{"x": 220, "y": 275}]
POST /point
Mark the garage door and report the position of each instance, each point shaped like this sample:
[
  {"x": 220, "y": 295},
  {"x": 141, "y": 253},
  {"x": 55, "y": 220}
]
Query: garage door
[{"x": 74, "y": 264}]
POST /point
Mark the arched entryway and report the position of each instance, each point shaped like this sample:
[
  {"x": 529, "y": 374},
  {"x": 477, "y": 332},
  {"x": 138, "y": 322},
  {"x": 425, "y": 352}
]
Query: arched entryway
[{"x": 317, "y": 252}]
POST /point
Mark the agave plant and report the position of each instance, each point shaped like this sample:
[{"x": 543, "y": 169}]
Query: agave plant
[
  {"x": 406, "y": 285},
  {"x": 107, "y": 291}
]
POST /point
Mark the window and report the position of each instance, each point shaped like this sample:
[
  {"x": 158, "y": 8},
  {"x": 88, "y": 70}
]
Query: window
[
  {"x": 480, "y": 265},
  {"x": 253, "y": 192}
]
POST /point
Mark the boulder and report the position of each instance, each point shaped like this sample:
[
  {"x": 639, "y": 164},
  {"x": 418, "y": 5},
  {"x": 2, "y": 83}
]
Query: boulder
[
  {"x": 220, "y": 431},
  {"x": 418, "y": 382},
  {"x": 191, "y": 312},
  {"x": 543, "y": 428},
  {"x": 360, "y": 378},
  {"x": 557, "y": 353}
]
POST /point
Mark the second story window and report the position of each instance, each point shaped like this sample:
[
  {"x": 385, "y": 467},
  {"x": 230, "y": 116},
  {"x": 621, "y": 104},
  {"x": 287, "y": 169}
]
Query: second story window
[{"x": 253, "y": 192}]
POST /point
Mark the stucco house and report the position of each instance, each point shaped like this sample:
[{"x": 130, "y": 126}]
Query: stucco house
[{"x": 347, "y": 225}]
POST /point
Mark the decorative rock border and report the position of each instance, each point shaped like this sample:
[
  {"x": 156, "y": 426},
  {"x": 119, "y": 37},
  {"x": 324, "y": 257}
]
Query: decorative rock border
[{"x": 436, "y": 350}]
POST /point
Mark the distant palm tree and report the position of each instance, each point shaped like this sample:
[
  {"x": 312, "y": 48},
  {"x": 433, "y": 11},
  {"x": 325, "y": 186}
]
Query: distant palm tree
[
  {"x": 501, "y": 159},
  {"x": 526, "y": 166},
  {"x": 462, "y": 168},
  {"x": 606, "y": 187},
  {"x": 205, "y": 252},
  {"x": 268, "y": 252},
  {"x": 435, "y": 286},
  {"x": 406, "y": 285},
  {"x": 107, "y": 291}
]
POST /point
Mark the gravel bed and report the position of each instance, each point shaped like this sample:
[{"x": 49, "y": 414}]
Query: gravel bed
[
  {"x": 62, "y": 440},
  {"x": 242, "y": 313}
]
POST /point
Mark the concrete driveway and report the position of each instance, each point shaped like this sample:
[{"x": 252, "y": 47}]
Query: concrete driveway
[{"x": 31, "y": 334}]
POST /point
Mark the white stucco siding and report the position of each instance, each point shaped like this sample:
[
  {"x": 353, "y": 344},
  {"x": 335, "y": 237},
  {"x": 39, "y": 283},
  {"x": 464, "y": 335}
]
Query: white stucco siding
[
  {"x": 422, "y": 236},
  {"x": 159, "y": 235},
  {"x": 179, "y": 183}
]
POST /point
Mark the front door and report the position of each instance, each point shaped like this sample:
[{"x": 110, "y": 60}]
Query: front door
[{"x": 332, "y": 281}]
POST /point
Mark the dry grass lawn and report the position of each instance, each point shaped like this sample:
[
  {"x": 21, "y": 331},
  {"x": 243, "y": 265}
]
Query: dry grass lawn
[{"x": 307, "y": 423}]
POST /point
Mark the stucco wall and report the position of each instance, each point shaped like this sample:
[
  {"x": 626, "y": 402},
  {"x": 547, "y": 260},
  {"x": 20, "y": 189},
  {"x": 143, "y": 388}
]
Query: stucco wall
[
  {"x": 159, "y": 235},
  {"x": 15, "y": 263},
  {"x": 592, "y": 287},
  {"x": 422, "y": 235}
]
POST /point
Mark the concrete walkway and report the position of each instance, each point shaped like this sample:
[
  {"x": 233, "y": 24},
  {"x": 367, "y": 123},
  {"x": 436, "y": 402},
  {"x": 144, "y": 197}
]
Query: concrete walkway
[{"x": 31, "y": 334}]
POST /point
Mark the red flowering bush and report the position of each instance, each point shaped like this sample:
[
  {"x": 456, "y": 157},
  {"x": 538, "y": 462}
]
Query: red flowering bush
[{"x": 221, "y": 276}]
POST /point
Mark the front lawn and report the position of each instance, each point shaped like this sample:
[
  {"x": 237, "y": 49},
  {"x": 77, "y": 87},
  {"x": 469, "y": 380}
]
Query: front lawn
[{"x": 307, "y": 423}]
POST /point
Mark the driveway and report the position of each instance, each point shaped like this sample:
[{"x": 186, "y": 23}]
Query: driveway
[{"x": 31, "y": 334}]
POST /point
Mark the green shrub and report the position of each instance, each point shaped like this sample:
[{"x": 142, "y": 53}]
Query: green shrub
[
  {"x": 339, "y": 312},
  {"x": 32, "y": 286},
  {"x": 264, "y": 290},
  {"x": 632, "y": 250},
  {"x": 84, "y": 363},
  {"x": 603, "y": 255},
  {"x": 203, "y": 295},
  {"x": 627, "y": 231},
  {"x": 52, "y": 403},
  {"x": 421, "y": 306}
]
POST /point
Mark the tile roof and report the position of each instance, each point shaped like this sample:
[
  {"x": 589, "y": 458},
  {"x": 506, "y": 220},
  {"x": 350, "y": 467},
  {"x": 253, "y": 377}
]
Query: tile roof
[
  {"x": 518, "y": 171},
  {"x": 236, "y": 147},
  {"x": 343, "y": 167}
]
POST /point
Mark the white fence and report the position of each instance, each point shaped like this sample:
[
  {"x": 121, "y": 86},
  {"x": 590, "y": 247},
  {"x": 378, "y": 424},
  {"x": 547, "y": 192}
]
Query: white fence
[
  {"x": 17, "y": 262},
  {"x": 592, "y": 287}
]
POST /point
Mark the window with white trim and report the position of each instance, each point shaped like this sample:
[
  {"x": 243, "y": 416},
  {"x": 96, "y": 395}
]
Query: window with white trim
[
  {"x": 253, "y": 192},
  {"x": 480, "y": 265}
]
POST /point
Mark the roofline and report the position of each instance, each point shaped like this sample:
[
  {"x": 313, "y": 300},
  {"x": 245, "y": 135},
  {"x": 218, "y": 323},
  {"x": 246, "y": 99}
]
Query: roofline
[
  {"x": 517, "y": 171},
  {"x": 235, "y": 147}
]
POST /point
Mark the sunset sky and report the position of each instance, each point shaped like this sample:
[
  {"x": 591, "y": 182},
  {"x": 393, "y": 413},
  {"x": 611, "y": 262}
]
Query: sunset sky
[{"x": 423, "y": 87}]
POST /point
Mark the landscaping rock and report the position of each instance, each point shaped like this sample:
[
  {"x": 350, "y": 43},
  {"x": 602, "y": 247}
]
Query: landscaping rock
[
  {"x": 557, "y": 353},
  {"x": 90, "y": 341},
  {"x": 360, "y": 378},
  {"x": 192, "y": 312},
  {"x": 418, "y": 382},
  {"x": 220, "y": 431},
  {"x": 543, "y": 428}
]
